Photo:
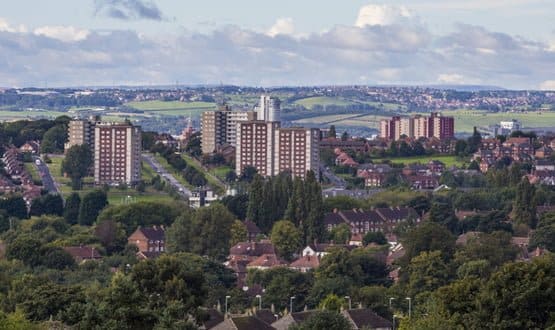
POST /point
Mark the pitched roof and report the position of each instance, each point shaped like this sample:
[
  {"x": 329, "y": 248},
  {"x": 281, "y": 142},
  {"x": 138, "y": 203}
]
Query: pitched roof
[
  {"x": 155, "y": 233},
  {"x": 265, "y": 315},
  {"x": 250, "y": 323},
  {"x": 267, "y": 260},
  {"x": 306, "y": 262},
  {"x": 213, "y": 318},
  {"x": 252, "y": 249},
  {"x": 302, "y": 316},
  {"x": 366, "y": 318},
  {"x": 83, "y": 252}
]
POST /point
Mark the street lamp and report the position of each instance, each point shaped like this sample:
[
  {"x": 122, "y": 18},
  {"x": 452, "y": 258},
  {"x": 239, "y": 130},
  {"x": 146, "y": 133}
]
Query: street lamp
[
  {"x": 226, "y": 298},
  {"x": 259, "y": 301},
  {"x": 410, "y": 305},
  {"x": 394, "y": 316},
  {"x": 291, "y": 304},
  {"x": 390, "y": 299},
  {"x": 349, "y": 298}
]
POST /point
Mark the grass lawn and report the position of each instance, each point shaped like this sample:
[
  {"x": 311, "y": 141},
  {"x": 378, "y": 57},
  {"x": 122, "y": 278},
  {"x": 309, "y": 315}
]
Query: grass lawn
[
  {"x": 221, "y": 171},
  {"x": 147, "y": 172},
  {"x": 115, "y": 195},
  {"x": 173, "y": 171},
  {"x": 33, "y": 171},
  {"x": 213, "y": 181},
  {"x": 446, "y": 159}
]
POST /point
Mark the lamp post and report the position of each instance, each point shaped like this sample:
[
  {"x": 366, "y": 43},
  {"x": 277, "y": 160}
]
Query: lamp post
[
  {"x": 226, "y": 298},
  {"x": 410, "y": 306},
  {"x": 259, "y": 301},
  {"x": 349, "y": 298},
  {"x": 394, "y": 316},
  {"x": 291, "y": 304},
  {"x": 390, "y": 300}
]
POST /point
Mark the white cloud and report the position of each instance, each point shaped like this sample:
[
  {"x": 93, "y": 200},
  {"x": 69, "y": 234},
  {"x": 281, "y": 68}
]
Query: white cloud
[
  {"x": 63, "y": 33},
  {"x": 548, "y": 85},
  {"x": 6, "y": 27},
  {"x": 395, "y": 53},
  {"x": 283, "y": 26},
  {"x": 450, "y": 78},
  {"x": 371, "y": 15}
]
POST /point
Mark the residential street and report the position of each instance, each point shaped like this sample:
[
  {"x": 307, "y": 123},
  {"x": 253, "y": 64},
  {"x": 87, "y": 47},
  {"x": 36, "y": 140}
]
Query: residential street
[
  {"x": 46, "y": 177},
  {"x": 168, "y": 177}
]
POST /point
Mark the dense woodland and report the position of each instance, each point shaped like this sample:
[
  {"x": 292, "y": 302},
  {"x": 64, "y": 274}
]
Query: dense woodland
[{"x": 482, "y": 284}]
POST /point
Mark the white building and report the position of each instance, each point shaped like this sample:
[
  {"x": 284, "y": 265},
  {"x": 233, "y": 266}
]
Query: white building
[{"x": 268, "y": 109}]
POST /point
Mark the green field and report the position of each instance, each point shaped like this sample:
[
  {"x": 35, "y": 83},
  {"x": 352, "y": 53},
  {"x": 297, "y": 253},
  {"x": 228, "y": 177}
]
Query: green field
[
  {"x": 465, "y": 120},
  {"x": 115, "y": 195},
  {"x": 6, "y": 115},
  {"x": 173, "y": 108},
  {"x": 447, "y": 160},
  {"x": 310, "y": 102}
]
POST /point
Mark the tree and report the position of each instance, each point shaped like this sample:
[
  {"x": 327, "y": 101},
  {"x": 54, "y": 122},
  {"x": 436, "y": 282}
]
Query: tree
[
  {"x": 256, "y": 198},
  {"x": 238, "y": 233},
  {"x": 428, "y": 236},
  {"x": 544, "y": 235},
  {"x": 14, "y": 205},
  {"x": 340, "y": 234},
  {"x": 518, "y": 296},
  {"x": 91, "y": 205},
  {"x": 344, "y": 136},
  {"x": 496, "y": 248},
  {"x": 332, "y": 302},
  {"x": 442, "y": 212},
  {"x": 51, "y": 204},
  {"x": 25, "y": 248},
  {"x": 427, "y": 272},
  {"x": 143, "y": 214},
  {"x": 374, "y": 237},
  {"x": 524, "y": 212},
  {"x": 248, "y": 174},
  {"x": 286, "y": 238},
  {"x": 16, "y": 321},
  {"x": 54, "y": 139},
  {"x": 57, "y": 258},
  {"x": 324, "y": 320},
  {"x": 332, "y": 133},
  {"x": 71, "y": 210},
  {"x": 205, "y": 231},
  {"x": 77, "y": 163}
]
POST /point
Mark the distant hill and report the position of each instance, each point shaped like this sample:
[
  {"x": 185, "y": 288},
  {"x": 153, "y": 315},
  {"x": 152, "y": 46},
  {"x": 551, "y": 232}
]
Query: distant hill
[{"x": 468, "y": 88}]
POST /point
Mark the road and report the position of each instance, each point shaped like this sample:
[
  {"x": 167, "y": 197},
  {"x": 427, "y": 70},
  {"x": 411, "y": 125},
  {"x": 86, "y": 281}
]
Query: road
[
  {"x": 334, "y": 179},
  {"x": 181, "y": 189},
  {"x": 47, "y": 180}
]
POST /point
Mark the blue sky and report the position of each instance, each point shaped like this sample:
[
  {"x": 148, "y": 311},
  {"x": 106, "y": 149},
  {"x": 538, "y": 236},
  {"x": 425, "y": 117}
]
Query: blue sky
[{"x": 508, "y": 43}]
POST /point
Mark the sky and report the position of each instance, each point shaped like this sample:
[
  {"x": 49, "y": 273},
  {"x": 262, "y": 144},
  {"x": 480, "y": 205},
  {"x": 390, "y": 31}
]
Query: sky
[{"x": 58, "y": 43}]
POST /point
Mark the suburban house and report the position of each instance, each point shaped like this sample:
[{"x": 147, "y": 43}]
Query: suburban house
[
  {"x": 365, "y": 318},
  {"x": 375, "y": 220},
  {"x": 292, "y": 319},
  {"x": 321, "y": 249},
  {"x": 305, "y": 263},
  {"x": 266, "y": 261},
  {"x": 243, "y": 323},
  {"x": 82, "y": 253},
  {"x": 243, "y": 253},
  {"x": 150, "y": 241}
]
